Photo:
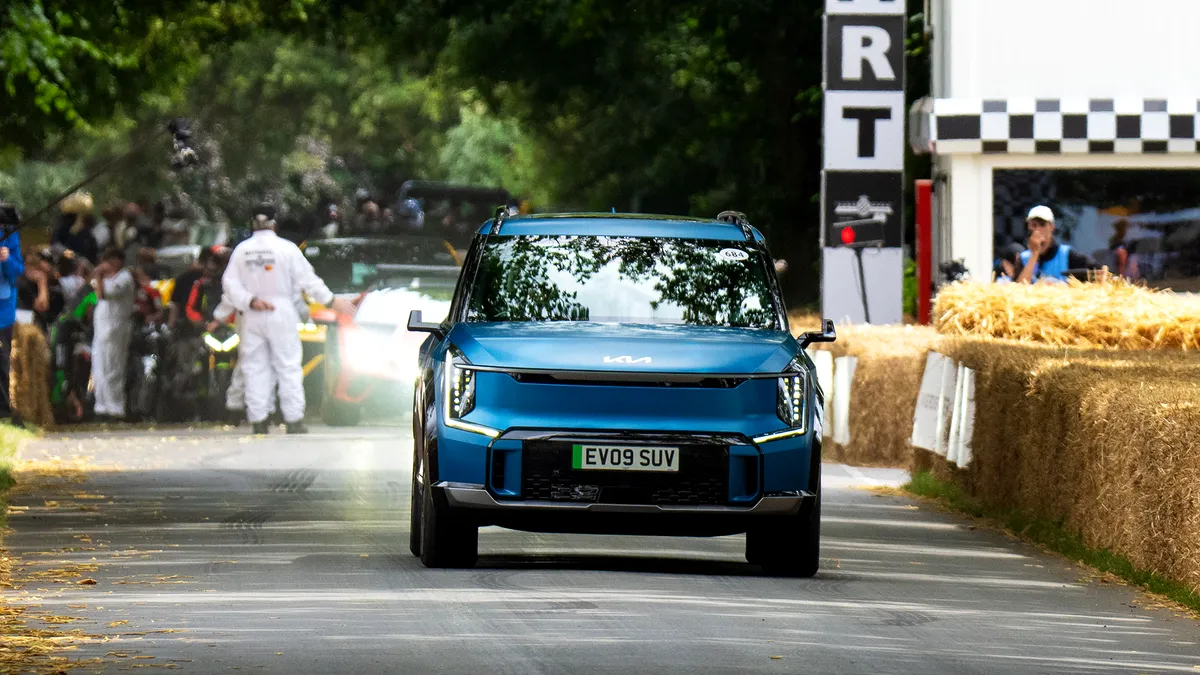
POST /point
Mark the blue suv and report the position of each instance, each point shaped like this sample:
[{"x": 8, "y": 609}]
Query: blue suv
[{"x": 618, "y": 374}]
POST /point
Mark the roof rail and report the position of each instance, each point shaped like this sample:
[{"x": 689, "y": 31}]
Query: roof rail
[
  {"x": 498, "y": 219},
  {"x": 737, "y": 218}
]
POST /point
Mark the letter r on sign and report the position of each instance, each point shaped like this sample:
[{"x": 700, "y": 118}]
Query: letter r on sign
[{"x": 866, "y": 44}]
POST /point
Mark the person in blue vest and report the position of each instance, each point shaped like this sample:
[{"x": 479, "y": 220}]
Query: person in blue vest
[
  {"x": 1047, "y": 259},
  {"x": 12, "y": 266}
]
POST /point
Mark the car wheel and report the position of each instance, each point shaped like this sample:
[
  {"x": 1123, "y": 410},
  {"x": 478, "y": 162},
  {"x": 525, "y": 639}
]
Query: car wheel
[
  {"x": 414, "y": 518},
  {"x": 789, "y": 546},
  {"x": 314, "y": 389},
  {"x": 446, "y": 540}
]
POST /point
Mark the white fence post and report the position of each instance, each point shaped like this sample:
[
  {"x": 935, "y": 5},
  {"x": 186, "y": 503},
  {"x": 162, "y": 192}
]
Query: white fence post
[{"x": 843, "y": 376}]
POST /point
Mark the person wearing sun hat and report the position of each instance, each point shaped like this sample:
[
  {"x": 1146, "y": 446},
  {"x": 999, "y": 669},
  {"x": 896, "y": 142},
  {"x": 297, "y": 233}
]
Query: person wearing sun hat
[{"x": 1047, "y": 259}]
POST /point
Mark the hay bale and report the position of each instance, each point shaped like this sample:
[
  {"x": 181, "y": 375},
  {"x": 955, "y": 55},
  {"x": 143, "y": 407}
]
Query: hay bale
[
  {"x": 887, "y": 378},
  {"x": 802, "y": 321},
  {"x": 1113, "y": 315},
  {"x": 1107, "y": 442},
  {"x": 29, "y": 377}
]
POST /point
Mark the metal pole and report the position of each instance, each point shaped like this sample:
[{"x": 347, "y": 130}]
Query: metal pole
[
  {"x": 862, "y": 284},
  {"x": 924, "y": 194}
]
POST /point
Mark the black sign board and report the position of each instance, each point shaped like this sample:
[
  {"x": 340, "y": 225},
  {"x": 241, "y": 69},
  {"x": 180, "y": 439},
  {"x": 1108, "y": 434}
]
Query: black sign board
[
  {"x": 864, "y": 53},
  {"x": 863, "y": 208}
]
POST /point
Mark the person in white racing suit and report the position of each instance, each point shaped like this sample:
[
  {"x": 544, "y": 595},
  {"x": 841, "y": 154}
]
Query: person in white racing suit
[
  {"x": 235, "y": 396},
  {"x": 112, "y": 323},
  {"x": 265, "y": 275}
]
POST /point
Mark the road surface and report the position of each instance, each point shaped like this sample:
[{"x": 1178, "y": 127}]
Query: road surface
[{"x": 213, "y": 552}]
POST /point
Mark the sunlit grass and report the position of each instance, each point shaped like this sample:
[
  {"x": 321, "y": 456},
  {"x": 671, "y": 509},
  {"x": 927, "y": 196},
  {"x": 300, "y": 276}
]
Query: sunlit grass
[
  {"x": 10, "y": 441},
  {"x": 1052, "y": 535}
]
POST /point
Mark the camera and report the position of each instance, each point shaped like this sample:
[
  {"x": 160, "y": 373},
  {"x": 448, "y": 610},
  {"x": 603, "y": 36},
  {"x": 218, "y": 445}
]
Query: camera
[
  {"x": 954, "y": 270},
  {"x": 184, "y": 156}
]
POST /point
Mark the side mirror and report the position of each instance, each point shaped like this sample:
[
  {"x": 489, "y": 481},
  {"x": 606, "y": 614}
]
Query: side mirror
[
  {"x": 416, "y": 325},
  {"x": 826, "y": 334}
]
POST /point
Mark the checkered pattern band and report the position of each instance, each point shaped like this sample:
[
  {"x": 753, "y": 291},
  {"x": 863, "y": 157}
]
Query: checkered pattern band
[{"x": 1061, "y": 126}]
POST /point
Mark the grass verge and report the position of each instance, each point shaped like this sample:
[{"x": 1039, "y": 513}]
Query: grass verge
[
  {"x": 1054, "y": 536},
  {"x": 11, "y": 439}
]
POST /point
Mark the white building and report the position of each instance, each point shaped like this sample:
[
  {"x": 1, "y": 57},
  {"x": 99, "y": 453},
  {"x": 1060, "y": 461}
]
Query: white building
[{"x": 1051, "y": 86}]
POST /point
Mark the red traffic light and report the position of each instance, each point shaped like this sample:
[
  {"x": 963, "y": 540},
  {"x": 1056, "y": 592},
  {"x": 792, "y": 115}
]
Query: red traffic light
[{"x": 847, "y": 235}]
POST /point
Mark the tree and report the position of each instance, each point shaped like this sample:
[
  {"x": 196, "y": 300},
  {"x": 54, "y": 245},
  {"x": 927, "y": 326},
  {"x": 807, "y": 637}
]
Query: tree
[
  {"x": 679, "y": 107},
  {"x": 68, "y": 64}
]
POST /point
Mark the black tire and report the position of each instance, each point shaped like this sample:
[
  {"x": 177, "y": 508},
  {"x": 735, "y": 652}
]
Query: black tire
[
  {"x": 414, "y": 518},
  {"x": 789, "y": 546},
  {"x": 314, "y": 390},
  {"x": 218, "y": 388},
  {"x": 337, "y": 413},
  {"x": 446, "y": 540}
]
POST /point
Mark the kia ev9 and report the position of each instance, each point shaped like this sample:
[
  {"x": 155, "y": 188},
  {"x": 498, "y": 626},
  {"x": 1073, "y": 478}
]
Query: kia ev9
[{"x": 618, "y": 374}]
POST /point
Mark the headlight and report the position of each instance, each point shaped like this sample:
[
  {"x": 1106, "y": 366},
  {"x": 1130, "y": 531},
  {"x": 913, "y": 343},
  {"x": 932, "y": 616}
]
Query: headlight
[
  {"x": 229, "y": 344},
  {"x": 366, "y": 351},
  {"x": 462, "y": 386},
  {"x": 459, "y": 396},
  {"x": 791, "y": 400}
]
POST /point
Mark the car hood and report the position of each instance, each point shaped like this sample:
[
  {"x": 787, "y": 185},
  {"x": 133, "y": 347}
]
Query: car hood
[{"x": 624, "y": 347}]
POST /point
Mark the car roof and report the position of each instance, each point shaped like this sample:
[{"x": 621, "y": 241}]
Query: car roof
[
  {"x": 373, "y": 240},
  {"x": 621, "y": 225}
]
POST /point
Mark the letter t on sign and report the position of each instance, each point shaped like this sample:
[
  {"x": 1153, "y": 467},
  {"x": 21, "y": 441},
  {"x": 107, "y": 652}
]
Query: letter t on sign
[{"x": 867, "y": 117}]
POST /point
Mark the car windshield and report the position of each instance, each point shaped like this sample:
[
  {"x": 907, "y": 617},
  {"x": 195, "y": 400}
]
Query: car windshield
[
  {"x": 356, "y": 265},
  {"x": 623, "y": 280}
]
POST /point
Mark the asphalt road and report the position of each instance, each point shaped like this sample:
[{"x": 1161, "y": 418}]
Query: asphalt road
[{"x": 289, "y": 554}]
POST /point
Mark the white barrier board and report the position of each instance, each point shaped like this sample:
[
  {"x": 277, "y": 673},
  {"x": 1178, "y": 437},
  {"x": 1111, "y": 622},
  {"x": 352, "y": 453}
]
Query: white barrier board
[
  {"x": 945, "y": 405},
  {"x": 925, "y": 417},
  {"x": 823, "y": 360},
  {"x": 967, "y": 428},
  {"x": 843, "y": 376},
  {"x": 956, "y": 410}
]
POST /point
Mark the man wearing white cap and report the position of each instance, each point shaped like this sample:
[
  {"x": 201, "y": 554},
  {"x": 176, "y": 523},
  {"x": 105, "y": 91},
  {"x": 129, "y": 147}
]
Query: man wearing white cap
[{"x": 1046, "y": 258}]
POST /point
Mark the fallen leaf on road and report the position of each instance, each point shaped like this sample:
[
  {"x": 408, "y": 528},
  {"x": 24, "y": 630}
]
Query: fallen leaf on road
[
  {"x": 114, "y": 624},
  {"x": 278, "y": 653},
  {"x": 87, "y": 582},
  {"x": 776, "y": 658}
]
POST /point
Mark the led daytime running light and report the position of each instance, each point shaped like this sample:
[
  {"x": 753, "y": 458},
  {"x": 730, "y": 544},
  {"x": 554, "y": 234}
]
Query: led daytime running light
[{"x": 459, "y": 396}]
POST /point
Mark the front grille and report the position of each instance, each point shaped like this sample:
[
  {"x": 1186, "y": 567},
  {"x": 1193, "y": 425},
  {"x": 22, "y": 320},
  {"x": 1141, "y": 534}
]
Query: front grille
[{"x": 702, "y": 479}]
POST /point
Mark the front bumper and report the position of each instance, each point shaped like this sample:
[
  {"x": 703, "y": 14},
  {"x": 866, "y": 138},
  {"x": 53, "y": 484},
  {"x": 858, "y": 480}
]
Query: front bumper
[
  {"x": 502, "y": 481},
  {"x": 472, "y": 496}
]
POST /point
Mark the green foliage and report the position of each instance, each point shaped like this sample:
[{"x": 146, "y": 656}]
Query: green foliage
[
  {"x": 294, "y": 122},
  {"x": 1053, "y": 535},
  {"x": 676, "y": 107},
  {"x": 68, "y": 64},
  {"x": 909, "y": 299},
  {"x": 35, "y": 183}
]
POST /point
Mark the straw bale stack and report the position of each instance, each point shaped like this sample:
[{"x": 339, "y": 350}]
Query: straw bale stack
[
  {"x": 883, "y": 397},
  {"x": 1117, "y": 314},
  {"x": 1108, "y": 442},
  {"x": 29, "y": 379}
]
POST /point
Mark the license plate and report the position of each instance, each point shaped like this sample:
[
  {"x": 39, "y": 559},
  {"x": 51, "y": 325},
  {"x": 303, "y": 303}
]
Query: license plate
[{"x": 624, "y": 458}]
